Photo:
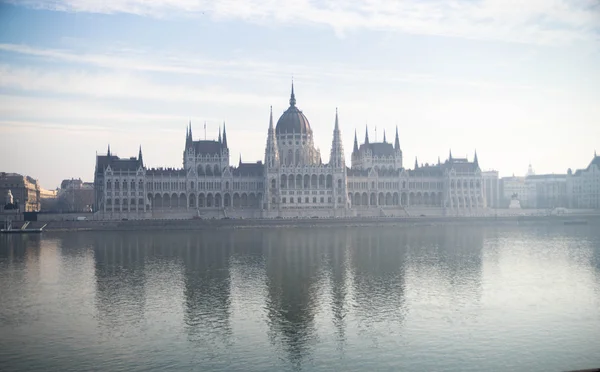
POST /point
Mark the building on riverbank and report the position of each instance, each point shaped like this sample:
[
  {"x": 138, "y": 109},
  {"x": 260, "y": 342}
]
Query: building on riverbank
[
  {"x": 24, "y": 190},
  {"x": 293, "y": 180},
  {"x": 583, "y": 186}
]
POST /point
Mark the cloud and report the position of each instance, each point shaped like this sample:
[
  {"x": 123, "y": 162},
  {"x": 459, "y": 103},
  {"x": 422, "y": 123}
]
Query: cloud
[
  {"x": 115, "y": 85},
  {"x": 531, "y": 21},
  {"x": 127, "y": 64}
]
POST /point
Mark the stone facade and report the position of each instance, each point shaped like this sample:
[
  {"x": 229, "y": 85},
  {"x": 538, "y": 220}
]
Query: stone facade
[
  {"x": 25, "y": 191},
  {"x": 583, "y": 186},
  {"x": 292, "y": 182}
]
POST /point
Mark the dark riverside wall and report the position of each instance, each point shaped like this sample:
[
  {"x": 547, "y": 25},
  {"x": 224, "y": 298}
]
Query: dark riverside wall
[{"x": 321, "y": 222}]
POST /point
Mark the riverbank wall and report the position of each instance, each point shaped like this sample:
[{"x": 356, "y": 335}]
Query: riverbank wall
[{"x": 211, "y": 224}]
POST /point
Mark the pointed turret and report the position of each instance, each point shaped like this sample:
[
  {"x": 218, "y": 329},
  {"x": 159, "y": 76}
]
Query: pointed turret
[
  {"x": 416, "y": 163},
  {"x": 384, "y": 140},
  {"x": 439, "y": 162},
  {"x": 108, "y": 151},
  {"x": 191, "y": 136},
  {"x": 475, "y": 160},
  {"x": 366, "y": 135},
  {"x": 224, "y": 136},
  {"x": 397, "y": 140},
  {"x": 292, "y": 96},
  {"x": 240, "y": 163},
  {"x": 336, "y": 158},
  {"x": 140, "y": 159},
  {"x": 355, "y": 149},
  {"x": 271, "y": 151},
  {"x": 450, "y": 156},
  {"x": 219, "y": 134}
]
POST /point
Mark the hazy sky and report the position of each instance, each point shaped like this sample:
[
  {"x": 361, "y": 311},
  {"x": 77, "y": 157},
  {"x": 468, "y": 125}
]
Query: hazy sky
[{"x": 517, "y": 80}]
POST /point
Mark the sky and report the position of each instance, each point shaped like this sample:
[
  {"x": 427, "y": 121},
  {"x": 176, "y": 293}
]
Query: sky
[{"x": 516, "y": 81}]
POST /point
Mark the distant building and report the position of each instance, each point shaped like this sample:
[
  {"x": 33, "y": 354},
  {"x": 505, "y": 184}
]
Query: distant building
[
  {"x": 550, "y": 190},
  {"x": 75, "y": 195},
  {"x": 293, "y": 181},
  {"x": 24, "y": 190},
  {"x": 517, "y": 188},
  {"x": 583, "y": 186},
  {"x": 491, "y": 186}
]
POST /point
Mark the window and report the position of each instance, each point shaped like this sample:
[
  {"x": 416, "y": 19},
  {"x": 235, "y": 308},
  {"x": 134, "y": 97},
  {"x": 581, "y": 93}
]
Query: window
[
  {"x": 322, "y": 199},
  {"x": 314, "y": 199},
  {"x": 299, "y": 200},
  {"x": 306, "y": 200}
]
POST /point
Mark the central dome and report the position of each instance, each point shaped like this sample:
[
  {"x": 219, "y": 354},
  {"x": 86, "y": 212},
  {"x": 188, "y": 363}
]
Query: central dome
[{"x": 292, "y": 120}]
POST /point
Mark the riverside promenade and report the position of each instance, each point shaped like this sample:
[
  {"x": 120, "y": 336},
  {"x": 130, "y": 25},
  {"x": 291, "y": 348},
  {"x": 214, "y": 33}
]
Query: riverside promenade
[{"x": 211, "y": 224}]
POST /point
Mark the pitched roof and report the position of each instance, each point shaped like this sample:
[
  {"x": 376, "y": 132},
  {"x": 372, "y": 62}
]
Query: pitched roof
[
  {"x": 249, "y": 169},
  {"x": 427, "y": 171},
  {"x": 595, "y": 161},
  {"x": 207, "y": 147},
  {"x": 378, "y": 148},
  {"x": 116, "y": 164}
]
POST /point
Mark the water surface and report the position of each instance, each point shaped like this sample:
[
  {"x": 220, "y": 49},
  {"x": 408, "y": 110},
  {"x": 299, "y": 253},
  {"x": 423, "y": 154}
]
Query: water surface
[{"x": 335, "y": 299}]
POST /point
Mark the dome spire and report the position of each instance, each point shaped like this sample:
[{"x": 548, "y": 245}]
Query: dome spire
[{"x": 292, "y": 96}]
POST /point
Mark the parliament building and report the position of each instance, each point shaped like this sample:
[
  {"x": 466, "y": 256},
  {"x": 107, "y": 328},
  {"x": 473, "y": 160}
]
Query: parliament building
[{"x": 292, "y": 181}]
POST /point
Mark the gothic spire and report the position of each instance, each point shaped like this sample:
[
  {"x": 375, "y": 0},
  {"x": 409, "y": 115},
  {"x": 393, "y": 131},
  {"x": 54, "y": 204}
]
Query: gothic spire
[
  {"x": 384, "y": 140},
  {"x": 397, "y": 141},
  {"x": 366, "y": 134},
  {"x": 108, "y": 151},
  {"x": 450, "y": 155},
  {"x": 271, "y": 120},
  {"x": 225, "y": 137},
  {"x": 219, "y": 134},
  {"x": 240, "y": 159},
  {"x": 475, "y": 161},
  {"x": 337, "y": 126},
  {"x": 140, "y": 159},
  {"x": 416, "y": 163},
  {"x": 355, "y": 150},
  {"x": 292, "y": 96},
  {"x": 336, "y": 158},
  {"x": 191, "y": 137},
  {"x": 439, "y": 162}
]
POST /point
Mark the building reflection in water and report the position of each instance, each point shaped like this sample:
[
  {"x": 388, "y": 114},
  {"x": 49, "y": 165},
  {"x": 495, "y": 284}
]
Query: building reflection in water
[
  {"x": 378, "y": 263},
  {"x": 207, "y": 289},
  {"x": 293, "y": 264},
  {"x": 120, "y": 281}
]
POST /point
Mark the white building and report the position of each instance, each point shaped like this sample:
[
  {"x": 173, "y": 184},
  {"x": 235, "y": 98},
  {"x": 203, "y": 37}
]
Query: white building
[
  {"x": 583, "y": 186},
  {"x": 293, "y": 181},
  {"x": 517, "y": 188},
  {"x": 491, "y": 185}
]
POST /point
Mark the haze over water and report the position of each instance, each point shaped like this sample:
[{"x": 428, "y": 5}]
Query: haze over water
[{"x": 418, "y": 299}]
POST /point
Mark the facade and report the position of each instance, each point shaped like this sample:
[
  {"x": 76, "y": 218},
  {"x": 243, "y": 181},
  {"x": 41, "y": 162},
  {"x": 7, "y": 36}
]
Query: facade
[
  {"x": 75, "y": 195},
  {"x": 550, "y": 190},
  {"x": 293, "y": 181},
  {"x": 517, "y": 188},
  {"x": 583, "y": 186},
  {"x": 491, "y": 185},
  {"x": 24, "y": 190}
]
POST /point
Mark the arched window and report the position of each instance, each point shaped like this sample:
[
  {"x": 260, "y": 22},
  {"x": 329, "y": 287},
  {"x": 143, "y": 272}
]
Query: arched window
[
  {"x": 290, "y": 157},
  {"x": 274, "y": 183},
  {"x": 339, "y": 184},
  {"x": 297, "y": 157},
  {"x": 108, "y": 185},
  {"x": 192, "y": 185}
]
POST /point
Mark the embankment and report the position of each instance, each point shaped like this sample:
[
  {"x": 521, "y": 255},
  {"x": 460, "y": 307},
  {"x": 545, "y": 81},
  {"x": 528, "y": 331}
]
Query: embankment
[{"x": 211, "y": 224}]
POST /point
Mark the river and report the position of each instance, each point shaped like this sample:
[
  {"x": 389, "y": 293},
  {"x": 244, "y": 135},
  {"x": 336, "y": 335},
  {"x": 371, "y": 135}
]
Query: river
[{"x": 440, "y": 298}]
